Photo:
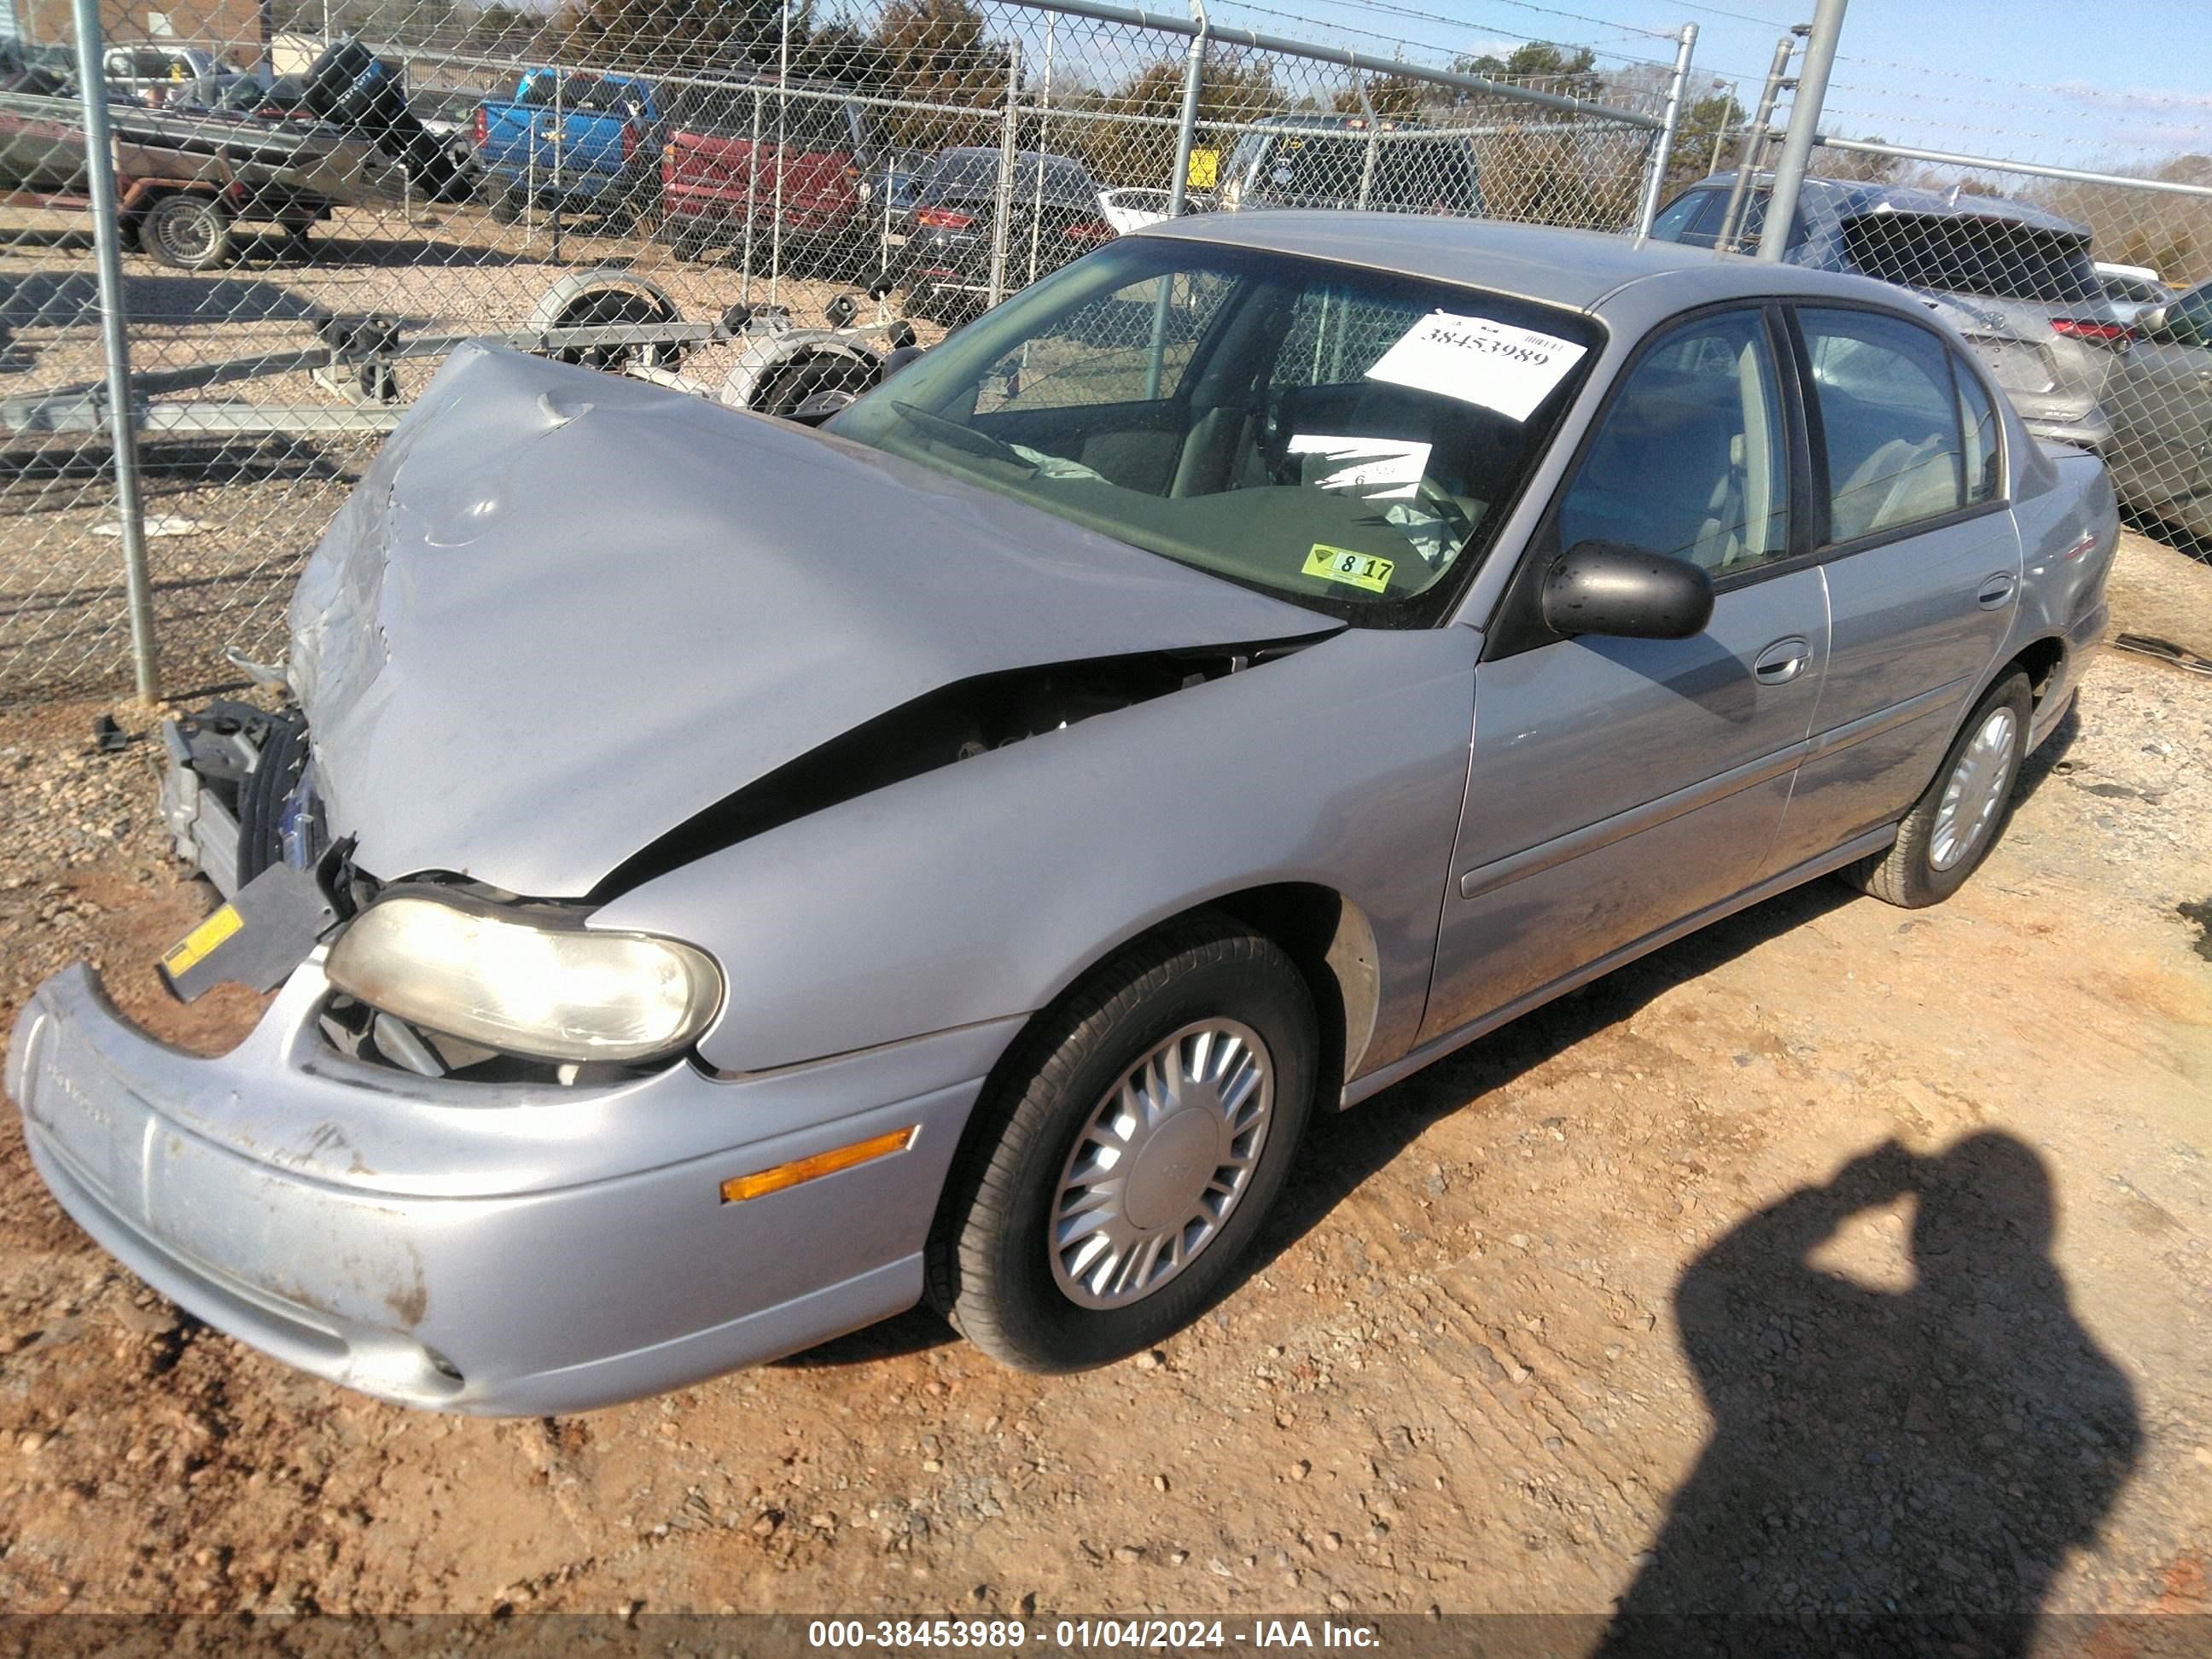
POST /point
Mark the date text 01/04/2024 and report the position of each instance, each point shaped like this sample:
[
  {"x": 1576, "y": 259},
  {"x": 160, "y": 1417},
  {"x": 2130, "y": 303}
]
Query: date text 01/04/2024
[{"x": 1080, "y": 1635}]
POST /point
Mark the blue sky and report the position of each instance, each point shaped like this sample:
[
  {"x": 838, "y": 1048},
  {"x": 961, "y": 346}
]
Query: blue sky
[{"x": 2086, "y": 82}]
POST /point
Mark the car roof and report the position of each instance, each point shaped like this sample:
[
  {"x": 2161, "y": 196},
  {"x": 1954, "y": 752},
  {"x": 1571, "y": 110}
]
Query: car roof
[
  {"x": 1847, "y": 198},
  {"x": 1573, "y": 268}
]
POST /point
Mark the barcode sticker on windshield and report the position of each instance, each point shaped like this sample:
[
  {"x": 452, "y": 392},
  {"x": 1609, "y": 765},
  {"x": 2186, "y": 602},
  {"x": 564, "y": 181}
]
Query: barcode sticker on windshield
[{"x": 1477, "y": 361}]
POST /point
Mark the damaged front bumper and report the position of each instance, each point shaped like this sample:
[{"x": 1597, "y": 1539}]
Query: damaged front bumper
[{"x": 486, "y": 1248}]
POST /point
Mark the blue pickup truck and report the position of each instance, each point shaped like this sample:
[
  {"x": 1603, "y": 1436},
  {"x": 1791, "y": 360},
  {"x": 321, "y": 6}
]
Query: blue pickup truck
[{"x": 581, "y": 142}]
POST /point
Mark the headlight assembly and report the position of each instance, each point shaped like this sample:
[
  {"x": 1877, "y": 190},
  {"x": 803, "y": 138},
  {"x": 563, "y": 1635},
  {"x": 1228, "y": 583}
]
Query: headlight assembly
[{"x": 546, "y": 990}]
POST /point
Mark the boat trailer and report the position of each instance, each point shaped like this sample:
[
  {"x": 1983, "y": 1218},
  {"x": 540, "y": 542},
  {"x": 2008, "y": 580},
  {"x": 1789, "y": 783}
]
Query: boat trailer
[{"x": 606, "y": 318}]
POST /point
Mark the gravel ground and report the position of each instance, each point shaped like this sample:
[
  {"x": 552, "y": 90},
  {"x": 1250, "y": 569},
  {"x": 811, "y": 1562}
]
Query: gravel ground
[{"x": 1835, "y": 1256}]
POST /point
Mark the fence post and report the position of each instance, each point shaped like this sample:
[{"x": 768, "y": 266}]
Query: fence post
[
  {"x": 782, "y": 131},
  {"x": 115, "y": 340},
  {"x": 752, "y": 203},
  {"x": 1755, "y": 139},
  {"x": 1804, "y": 125},
  {"x": 1374, "y": 138},
  {"x": 560, "y": 142},
  {"x": 1044, "y": 115},
  {"x": 1663, "y": 147},
  {"x": 1194, "y": 70},
  {"x": 1003, "y": 207}
]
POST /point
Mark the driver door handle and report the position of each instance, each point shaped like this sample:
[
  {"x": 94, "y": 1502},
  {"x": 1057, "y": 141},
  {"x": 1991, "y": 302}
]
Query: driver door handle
[
  {"x": 1997, "y": 590},
  {"x": 1782, "y": 661}
]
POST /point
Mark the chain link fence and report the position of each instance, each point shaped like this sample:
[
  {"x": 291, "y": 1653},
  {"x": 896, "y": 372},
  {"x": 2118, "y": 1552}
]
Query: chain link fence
[{"x": 316, "y": 201}]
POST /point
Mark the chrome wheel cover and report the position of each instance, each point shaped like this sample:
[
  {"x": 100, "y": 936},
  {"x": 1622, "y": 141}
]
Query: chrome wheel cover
[
  {"x": 1975, "y": 792},
  {"x": 1161, "y": 1163}
]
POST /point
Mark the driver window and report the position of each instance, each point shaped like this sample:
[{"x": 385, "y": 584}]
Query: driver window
[{"x": 1688, "y": 461}]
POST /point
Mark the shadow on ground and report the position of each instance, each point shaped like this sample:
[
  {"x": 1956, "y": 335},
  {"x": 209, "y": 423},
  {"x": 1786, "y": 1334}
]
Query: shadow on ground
[{"x": 1934, "y": 1451}]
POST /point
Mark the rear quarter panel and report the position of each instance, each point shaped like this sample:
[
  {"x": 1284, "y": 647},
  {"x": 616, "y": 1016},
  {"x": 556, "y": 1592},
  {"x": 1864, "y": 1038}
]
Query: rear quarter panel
[{"x": 2069, "y": 529}]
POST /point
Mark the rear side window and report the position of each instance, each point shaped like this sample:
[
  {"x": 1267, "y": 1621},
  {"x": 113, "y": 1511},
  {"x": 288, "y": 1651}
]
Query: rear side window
[
  {"x": 1963, "y": 253},
  {"x": 1889, "y": 421},
  {"x": 1690, "y": 457},
  {"x": 1693, "y": 218},
  {"x": 1977, "y": 422}
]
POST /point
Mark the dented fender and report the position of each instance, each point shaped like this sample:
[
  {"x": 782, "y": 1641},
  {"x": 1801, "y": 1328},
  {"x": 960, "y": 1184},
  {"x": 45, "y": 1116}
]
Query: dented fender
[{"x": 985, "y": 888}]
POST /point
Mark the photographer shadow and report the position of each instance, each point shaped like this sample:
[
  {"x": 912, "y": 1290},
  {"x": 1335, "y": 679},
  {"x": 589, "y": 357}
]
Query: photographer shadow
[{"x": 1931, "y": 1452}]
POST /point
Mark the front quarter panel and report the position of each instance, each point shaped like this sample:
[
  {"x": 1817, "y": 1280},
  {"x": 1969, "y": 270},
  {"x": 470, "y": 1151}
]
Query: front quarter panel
[{"x": 985, "y": 888}]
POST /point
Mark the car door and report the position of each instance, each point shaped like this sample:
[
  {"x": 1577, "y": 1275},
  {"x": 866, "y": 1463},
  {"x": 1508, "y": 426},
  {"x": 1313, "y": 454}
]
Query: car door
[
  {"x": 2159, "y": 402},
  {"x": 1618, "y": 786},
  {"x": 1920, "y": 557}
]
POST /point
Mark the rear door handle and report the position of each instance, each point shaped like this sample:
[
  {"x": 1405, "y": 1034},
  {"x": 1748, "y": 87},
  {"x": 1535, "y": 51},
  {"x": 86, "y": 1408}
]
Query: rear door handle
[
  {"x": 1996, "y": 590},
  {"x": 1782, "y": 661}
]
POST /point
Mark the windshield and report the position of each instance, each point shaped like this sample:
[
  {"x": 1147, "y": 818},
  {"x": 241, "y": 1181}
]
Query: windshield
[{"x": 1346, "y": 438}]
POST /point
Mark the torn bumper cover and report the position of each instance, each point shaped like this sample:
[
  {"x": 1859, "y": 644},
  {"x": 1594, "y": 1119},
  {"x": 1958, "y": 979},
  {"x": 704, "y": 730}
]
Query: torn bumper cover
[{"x": 498, "y": 1250}]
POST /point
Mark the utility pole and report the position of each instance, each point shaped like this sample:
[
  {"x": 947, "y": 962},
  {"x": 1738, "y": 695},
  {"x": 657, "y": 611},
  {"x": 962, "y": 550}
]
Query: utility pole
[{"x": 1663, "y": 147}]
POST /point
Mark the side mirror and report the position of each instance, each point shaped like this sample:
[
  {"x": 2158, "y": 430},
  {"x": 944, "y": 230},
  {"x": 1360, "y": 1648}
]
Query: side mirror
[{"x": 1608, "y": 587}]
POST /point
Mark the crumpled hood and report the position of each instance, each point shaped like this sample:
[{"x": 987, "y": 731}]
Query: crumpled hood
[{"x": 564, "y": 611}]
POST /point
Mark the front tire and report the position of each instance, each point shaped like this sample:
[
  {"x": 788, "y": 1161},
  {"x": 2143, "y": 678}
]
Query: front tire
[
  {"x": 1128, "y": 1150},
  {"x": 1952, "y": 826}
]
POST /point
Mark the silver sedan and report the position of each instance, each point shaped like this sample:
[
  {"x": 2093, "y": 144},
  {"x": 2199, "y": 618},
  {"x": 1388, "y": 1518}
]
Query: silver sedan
[{"x": 729, "y": 881}]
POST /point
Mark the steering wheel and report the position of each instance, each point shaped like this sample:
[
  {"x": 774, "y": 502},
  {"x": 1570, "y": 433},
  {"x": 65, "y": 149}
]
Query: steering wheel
[{"x": 954, "y": 435}]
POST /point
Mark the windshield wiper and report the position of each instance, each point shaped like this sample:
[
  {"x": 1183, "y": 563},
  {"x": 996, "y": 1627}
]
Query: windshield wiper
[{"x": 954, "y": 435}]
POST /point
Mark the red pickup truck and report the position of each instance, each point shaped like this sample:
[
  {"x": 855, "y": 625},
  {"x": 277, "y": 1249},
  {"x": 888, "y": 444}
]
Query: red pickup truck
[{"x": 760, "y": 152}]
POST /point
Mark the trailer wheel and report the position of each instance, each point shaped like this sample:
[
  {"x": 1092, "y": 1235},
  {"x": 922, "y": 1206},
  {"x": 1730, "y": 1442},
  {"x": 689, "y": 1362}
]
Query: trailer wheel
[
  {"x": 607, "y": 298},
  {"x": 190, "y": 232}
]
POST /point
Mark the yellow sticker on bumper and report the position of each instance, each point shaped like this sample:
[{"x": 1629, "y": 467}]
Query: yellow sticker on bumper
[
  {"x": 195, "y": 945},
  {"x": 1341, "y": 564}
]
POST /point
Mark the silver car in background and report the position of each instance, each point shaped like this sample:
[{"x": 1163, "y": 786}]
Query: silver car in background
[
  {"x": 727, "y": 882},
  {"x": 2017, "y": 281},
  {"x": 2160, "y": 399}
]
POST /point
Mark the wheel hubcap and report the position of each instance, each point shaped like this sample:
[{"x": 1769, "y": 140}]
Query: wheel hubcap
[
  {"x": 1975, "y": 792},
  {"x": 1165, "y": 1157}
]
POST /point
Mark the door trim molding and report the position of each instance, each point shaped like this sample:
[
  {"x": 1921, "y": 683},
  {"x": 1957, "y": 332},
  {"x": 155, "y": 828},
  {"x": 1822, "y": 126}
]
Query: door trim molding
[
  {"x": 1550, "y": 855},
  {"x": 1435, "y": 1048}
]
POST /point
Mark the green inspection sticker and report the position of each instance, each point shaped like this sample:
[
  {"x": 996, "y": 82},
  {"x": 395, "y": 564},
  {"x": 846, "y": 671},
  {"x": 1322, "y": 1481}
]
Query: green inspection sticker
[{"x": 1341, "y": 564}]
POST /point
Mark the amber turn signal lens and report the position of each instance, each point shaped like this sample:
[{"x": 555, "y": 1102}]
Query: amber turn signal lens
[{"x": 738, "y": 1188}]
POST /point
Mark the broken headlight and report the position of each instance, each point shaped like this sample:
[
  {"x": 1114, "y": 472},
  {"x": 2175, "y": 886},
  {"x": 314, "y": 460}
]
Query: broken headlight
[{"x": 525, "y": 986}]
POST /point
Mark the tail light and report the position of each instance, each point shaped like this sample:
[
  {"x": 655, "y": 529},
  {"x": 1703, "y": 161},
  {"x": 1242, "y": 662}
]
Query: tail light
[
  {"x": 2097, "y": 333},
  {"x": 629, "y": 142},
  {"x": 943, "y": 219},
  {"x": 480, "y": 129},
  {"x": 1089, "y": 230}
]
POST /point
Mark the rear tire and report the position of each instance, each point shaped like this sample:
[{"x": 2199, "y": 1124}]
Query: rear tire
[
  {"x": 1187, "y": 1061},
  {"x": 187, "y": 231},
  {"x": 1952, "y": 826},
  {"x": 504, "y": 203}
]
